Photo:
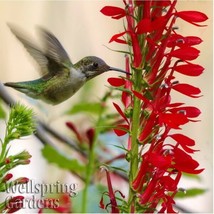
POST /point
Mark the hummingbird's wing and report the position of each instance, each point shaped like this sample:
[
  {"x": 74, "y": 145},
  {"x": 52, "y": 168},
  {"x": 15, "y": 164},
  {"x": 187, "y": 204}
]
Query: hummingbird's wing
[
  {"x": 53, "y": 49},
  {"x": 52, "y": 60},
  {"x": 32, "y": 49}
]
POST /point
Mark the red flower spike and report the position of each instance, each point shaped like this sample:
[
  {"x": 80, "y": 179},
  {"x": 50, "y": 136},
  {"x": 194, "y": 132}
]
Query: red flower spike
[
  {"x": 114, "y": 12},
  {"x": 187, "y": 90},
  {"x": 116, "y": 82},
  {"x": 189, "y": 69},
  {"x": 154, "y": 53},
  {"x": 185, "y": 53},
  {"x": 192, "y": 17}
]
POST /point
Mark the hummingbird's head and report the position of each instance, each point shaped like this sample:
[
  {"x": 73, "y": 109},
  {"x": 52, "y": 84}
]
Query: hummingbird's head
[{"x": 93, "y": 66}]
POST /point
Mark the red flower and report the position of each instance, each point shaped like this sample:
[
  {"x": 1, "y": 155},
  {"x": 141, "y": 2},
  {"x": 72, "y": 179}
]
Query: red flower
[
  {"x": 184, "y": 141},
  {"x": 185, "y": 53},
  {"x": 189, "y": 69},
  {"x": 111, "y": 194},
  {"x": 192, "y": 17},
  {"x": 114, "y": 12},
  {"x": 116, "y": 82},
  {"x": 157, "y": 52},
  {"x": 187, "y": 89}
]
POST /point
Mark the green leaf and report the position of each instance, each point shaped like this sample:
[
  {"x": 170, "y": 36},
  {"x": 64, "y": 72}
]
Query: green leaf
[
  {"x": 192, "y": 176},
  {"x": 55, "y": 157},
  {"x": 118, "y": 169},
  {"x": 93, "y": 108},
  {"x": 2, "y": 112},
  {"x": 190, "y": 193}
]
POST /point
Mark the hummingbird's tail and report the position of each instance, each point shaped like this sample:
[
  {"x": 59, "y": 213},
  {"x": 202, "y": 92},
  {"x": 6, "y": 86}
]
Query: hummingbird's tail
[
  {"x": 15, "y": 85},
  {"x": 22, "y": 87}
]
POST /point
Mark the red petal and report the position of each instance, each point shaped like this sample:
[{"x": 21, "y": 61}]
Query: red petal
[
  {"x": 192, "y": 40},
  {"x": 126, "y": 97},
  {"x": 144, "y": 26},
  {"x": 121, "y": 130},
  {"x": 187, "y": 89},
  {"x": 160, "y": 161},
  {"x": 168, "y": 183},
  {"x": 102, "y": 205},
  {"x": 114, "y": 12},
  {"x": 120, "y": 112},
  {"x": 136, "y": 50},
  {"x": 182, "y": 139},
  {"x": 176, "y": 39},
  {"x": 159, "y": 23},
  {"x": 141, "y": 97},
  {"x": 192, "y": 16},
  {"x": 189, "y": 111},
  {"x": 71, "y": 126},
  {"x": 148, "y": 128},
  {"x": 90, "y": 135},
  {"x": 185, "y": 53},
  {"x": 116, "y": 82},
  {"x": 185, "y": 163},
  {"x": 115, "y": 38},
  {"x": 189, "y": 69},
  {"x": 173, "y": 121},
  {"x": 175, "y": 104}
]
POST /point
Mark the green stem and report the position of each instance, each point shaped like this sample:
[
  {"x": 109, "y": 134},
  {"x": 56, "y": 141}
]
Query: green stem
[
  {"x": 134, "y": 136},
  {"x": 91, "y": 163},
  {"x": 4, "y": 145}
]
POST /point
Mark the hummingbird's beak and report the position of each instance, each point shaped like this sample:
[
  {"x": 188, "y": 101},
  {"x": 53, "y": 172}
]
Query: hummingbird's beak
[{"x": 119, "y": 70}]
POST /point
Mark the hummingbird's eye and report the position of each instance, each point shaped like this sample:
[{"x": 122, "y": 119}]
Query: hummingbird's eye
[{"x": 95, "y": 64}]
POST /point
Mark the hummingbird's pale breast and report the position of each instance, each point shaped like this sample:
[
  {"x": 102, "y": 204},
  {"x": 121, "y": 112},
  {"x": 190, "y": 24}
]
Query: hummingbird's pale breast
[{"x": 61, "y": 87}]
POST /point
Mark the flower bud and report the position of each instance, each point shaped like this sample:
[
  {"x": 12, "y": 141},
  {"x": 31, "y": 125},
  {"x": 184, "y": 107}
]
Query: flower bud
[{"x": 7, "y": 177}]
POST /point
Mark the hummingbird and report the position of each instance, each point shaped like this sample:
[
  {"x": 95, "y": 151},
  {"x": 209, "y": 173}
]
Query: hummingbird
[{"x": 60, "y": 79}]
